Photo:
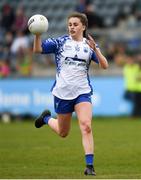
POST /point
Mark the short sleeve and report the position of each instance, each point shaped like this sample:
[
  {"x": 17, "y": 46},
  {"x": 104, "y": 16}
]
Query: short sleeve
[
  {"x": 49, "y": 46},
  {"x": 94, "y": 57}
]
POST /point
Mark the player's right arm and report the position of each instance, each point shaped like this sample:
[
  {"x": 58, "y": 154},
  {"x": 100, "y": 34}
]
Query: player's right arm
[
  {"x": 37, "y": 47},
  {"x": 46, "y": 46}
]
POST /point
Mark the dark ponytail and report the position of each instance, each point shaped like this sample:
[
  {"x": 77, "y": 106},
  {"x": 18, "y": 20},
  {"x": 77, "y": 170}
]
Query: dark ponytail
[{"x": 85, "y": 33}]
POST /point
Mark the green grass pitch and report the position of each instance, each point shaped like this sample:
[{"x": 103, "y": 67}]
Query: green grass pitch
[{"x": 27, "y": 152}]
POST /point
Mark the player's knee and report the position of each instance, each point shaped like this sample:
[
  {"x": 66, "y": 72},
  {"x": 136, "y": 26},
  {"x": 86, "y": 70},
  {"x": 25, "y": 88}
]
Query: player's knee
[
  {"x": 63, "y": 134},
  {"x": 86, "y": 129}
]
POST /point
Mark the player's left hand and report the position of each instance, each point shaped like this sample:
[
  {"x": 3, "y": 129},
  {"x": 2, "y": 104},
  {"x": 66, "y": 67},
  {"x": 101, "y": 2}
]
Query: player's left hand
[{"x": 91, "y": 42}]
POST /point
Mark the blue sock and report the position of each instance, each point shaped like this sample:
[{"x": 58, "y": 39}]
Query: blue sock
[
  {"x": 89, "y": 158},
  {"x": 46, "y": 119}
]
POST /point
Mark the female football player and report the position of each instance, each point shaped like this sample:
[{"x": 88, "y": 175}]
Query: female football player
[{"x": 72, "y": 89}]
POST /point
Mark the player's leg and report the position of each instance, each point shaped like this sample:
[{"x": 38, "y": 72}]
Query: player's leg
[
  {"x": 64, "y": 109},
  {"x": 61, "y": 125},
  {"x": 84, "y": 114}
]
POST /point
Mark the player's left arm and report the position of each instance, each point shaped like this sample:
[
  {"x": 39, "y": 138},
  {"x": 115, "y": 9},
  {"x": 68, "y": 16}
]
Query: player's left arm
[{"x": 101, "y": 58}]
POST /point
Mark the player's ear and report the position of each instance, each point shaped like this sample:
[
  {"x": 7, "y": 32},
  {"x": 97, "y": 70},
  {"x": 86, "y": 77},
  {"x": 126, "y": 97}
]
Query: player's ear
[
  {"x": 84, "y": 31},
  {"x": 84, "y": 27}
]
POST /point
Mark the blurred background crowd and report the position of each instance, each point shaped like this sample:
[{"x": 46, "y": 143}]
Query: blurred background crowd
[{"x": 114, "y": 24}]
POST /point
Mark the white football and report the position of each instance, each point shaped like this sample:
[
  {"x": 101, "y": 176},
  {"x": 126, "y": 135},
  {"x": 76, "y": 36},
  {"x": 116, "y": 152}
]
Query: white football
[{"x": 38, "y": 24}]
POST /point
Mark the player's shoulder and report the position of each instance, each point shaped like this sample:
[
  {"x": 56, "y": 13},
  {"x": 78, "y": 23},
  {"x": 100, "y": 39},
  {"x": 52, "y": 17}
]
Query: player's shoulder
[
  {"x": 59, "y": 40},
  {"x": 63, "y": 38}
]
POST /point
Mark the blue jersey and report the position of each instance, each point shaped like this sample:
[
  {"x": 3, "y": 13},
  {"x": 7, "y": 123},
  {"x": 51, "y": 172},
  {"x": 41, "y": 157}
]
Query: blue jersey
[{"x": 72, "y": 61}]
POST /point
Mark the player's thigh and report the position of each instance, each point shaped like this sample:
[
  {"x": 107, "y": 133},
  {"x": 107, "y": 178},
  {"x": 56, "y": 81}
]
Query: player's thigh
[
  {"x": 64, "y": 121},
  {"x": 84, "y": 113}
]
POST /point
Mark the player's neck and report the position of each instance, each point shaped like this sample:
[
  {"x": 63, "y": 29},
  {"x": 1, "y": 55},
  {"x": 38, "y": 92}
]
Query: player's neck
[{"x": 79, "y": 39}]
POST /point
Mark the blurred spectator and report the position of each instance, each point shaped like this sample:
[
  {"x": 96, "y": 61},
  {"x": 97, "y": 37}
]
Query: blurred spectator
[
  {"x": 132, "y": 79},
  {"x": 131, "y": 21},
  {"x": 87, "y": 7},
  {"x": 8, "y": 40},
  {"x": 129, "y": 73},
  {"x": 20, "y": 22},
  {"x": 4, "y": 68},
  {"x": 81, "y": 6},
  {"x": 7, "y": 17},
  {"x": 24, "y": 62},
  {"x": 137, "y": 96},
  {"x": 94, "y": 20},
  {"x": 121, "y": 20},
  {"x": 110, "y": 52},
  {"x": 137, "y": 8},
  {"x": 20, "y": 41},
  {"x": 127, "y": 21},
  {"x": 120, "y": 54}
]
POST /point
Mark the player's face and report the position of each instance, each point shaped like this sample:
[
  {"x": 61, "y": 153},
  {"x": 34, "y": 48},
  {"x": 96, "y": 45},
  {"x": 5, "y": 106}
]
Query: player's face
[{"x": 75, "y": 28}]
